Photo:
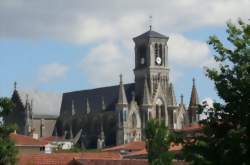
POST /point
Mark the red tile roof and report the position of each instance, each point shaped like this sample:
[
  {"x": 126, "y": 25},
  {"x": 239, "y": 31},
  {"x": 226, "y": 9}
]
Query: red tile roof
[
  {"x": 133, "y": 146},
  {"x": 22, "y": 140},
  {"x": 136, "y": 153},
  {"x": 65, "y": 158},
  {"x": 193, "y": 127},
  {"x": 113, "y": 162},
  {"x": 138, "y": 146},
  {"x": 143, "y": 152},
  {"x": 53, "y": 138}
]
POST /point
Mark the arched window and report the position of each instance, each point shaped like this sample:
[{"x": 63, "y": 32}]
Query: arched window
[
  {"x": 160, "y": 50},
  {"x": 121, "y": 118},
  {"x": 157, "y": 111},
  {"x": 134, "y": 121},
  {"x": 125, "y": 115},
  {"x": 160, "y": 110},
  {"x": 163, "y": 112},
  {"x": 156, "y": 50}
]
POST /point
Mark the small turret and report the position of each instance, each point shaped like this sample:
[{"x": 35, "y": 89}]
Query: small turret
[
  {"x": 101, "y": 139},
  {"x": 103, "y": 104},
  {"x": 73, "y": 112},
  {"x": 193, "y": 105},
  {"x": 146, "y": 101},
  {"x": 172, "y": 98},
  {"x": 88, "y": 110},
  {"x": 122, "y": 98},
  {"x": 121, "y": 114}
]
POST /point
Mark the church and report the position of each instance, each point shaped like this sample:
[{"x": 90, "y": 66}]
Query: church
[{"x": 118, "y": 114}]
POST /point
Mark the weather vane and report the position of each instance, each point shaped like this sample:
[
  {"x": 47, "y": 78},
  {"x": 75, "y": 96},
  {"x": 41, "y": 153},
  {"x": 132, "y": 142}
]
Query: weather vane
[{"x": 150, "y": 22}]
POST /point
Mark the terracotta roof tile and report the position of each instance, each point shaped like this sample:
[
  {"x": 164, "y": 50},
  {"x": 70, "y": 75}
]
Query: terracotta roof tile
[
  {"x": 136, "y": 153},
  {"x": 27, "y": 140},
  {"x": 193, "y": 127},
  {"x": 65, "y": 158},
  {"x": 52, "y": 138},
  {"x": 138, "y": 145},
  {"x": 113, "y": 162}
]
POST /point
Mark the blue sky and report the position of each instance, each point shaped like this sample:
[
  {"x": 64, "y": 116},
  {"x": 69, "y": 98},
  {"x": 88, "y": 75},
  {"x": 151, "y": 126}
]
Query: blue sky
[{"x": 64, "y": 47}]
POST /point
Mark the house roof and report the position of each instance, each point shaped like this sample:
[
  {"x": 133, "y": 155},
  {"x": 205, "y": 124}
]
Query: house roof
[
  {"x": 193, "y": 127},
  {"x": 112, "y": 162},
  {"x": 65, "y": 158},
  {"x": 53, "y": 138},
  {"x": 136, "y": 153},
  {"x": 151, "y": 34},
  {"x": 138, "y": 145},
  {"x": 22, "y": 140},
  {"x": 95, "y": 99}
]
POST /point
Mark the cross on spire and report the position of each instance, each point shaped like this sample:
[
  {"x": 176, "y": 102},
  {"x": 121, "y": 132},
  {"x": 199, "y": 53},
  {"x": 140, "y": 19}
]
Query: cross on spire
[
  {"x": 150, "y": 22},
  {"x": 15, "y": 85}
]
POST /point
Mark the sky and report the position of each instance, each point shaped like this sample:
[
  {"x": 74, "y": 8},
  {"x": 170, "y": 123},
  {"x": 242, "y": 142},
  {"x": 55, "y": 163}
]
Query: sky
[{"x": 60, "y": 46}]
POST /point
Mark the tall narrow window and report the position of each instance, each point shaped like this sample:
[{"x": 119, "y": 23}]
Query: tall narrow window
[
  {"x": 162, "y": 113},
  {"x": 134, "y": 121},
  {"x": 156, "y": 50},
  {"x": 160, "y": 50},
  {"x": 157, "y": 111}
]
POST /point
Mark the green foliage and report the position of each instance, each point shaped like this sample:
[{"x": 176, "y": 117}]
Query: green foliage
[
  {"x": 158, "y": 140},
  {"x": 8, "y": 150},
  {"x": 225, "y": 137}
]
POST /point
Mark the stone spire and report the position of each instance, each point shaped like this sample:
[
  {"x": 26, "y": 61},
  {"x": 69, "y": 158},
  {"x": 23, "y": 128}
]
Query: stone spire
[
  {"x": 87, "y": 106},
  {"x": 182, "y": 99},
  {"x": 172, "y": 95},
  {"x": 146, "y": 96},
  {"x": 122, "y": 99},
  {"x": 194, "y": 100},
  {"x": 102, "y": 135},
  {"x": 193, "y": 105},
  {"x": 73, "y": 112},
  {"x": 103, "y": 104},
  {"x": 70, "y": 131},
  {"x": 15, "y": 86}
]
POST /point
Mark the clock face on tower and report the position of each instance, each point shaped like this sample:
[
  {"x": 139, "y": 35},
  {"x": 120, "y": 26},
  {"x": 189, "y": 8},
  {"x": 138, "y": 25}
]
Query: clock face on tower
[{"x": 158, "y": 60}]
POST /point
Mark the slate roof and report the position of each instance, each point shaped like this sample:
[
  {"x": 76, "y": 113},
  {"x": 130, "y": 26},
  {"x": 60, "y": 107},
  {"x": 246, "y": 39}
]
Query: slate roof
[
  {"x": 151, "y": 34},
  {"x": 95, "y": 97}
]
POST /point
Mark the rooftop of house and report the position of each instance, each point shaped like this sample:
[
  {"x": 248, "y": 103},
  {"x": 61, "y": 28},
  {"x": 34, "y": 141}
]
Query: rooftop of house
[
  {"x": 133, "y": 146},
  {"x": 53, "y": 138},
  {"x": 22, "y": 140},
  {"x": 139, "y": 147},
  {"x": 191, "y": 128},
  {"x": 65, "y": 158},
  {"x": 111, "y": 162}
]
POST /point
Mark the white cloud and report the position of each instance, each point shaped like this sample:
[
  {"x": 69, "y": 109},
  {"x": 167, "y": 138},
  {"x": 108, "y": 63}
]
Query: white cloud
[
  {"x": 50, "y": 72},
  {"x": 187, "y": 52},
  {"x": 44, "y": 103},
  {"x": 91, "y": 21},
  {"x": 104, "y": 63}
]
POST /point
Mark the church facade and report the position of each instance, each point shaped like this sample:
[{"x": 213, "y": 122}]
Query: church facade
[{"x": 118, "y": 114}]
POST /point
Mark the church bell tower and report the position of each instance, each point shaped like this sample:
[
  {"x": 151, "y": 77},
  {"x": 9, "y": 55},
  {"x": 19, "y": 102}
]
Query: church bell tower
[{"x": 151, "y": 62}]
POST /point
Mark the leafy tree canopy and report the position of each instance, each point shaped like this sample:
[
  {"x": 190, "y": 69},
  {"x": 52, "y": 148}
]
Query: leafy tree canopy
[
  {"x": 225, "y": 137},
  {"x": 8, "y": 150},
  {"x": 158, "y": 140}
]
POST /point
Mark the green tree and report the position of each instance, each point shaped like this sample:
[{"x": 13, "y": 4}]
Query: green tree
[
  {"x": 158, "y": 140},
  {"x": 8, "y": 151},
  {"x": 225, "y": 137}
]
